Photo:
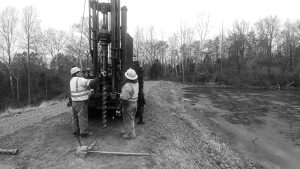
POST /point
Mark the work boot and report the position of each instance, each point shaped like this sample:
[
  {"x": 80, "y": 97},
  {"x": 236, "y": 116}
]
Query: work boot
[{"x": 129, "y": 136}]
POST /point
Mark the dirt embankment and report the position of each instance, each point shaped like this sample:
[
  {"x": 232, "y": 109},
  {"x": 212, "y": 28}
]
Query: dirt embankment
[{"x": 172, "y": 136}]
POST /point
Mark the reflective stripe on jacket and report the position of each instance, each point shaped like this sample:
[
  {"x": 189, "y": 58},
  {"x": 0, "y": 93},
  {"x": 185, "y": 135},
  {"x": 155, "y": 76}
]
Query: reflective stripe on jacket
[
  {"x": 130, "y": 92},
  {"x": 79, "y": 88}
]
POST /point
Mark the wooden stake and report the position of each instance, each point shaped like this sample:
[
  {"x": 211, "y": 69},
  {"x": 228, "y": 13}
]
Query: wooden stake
[{"x": 119, "y": 153}]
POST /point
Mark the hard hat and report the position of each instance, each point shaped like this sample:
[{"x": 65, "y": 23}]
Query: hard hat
[
  {"x": 130, "y": 74},
  {"x": 75, "y": 70}
]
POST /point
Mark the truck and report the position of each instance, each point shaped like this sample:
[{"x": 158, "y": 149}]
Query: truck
[{"x": 111, "y": 51}]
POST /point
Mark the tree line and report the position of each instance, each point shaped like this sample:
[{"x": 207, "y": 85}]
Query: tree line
[
  {"x": 266, "y": 53},
  {"x": 35, "y": 63}
]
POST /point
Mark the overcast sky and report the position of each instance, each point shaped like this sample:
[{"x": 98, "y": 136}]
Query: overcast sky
[{"x": 164, "y": 15}]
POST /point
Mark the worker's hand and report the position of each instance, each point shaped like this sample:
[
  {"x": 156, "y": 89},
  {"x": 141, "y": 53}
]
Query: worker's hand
[{"x": 103, "y": 73}]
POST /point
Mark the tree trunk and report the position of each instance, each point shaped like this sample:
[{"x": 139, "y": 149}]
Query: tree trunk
[
  {"x": 18, "y": 92},
  {"x": 175, "y": 66},
  {"x": 10, "y": 74},
  {"x": 28, "y": 74},
  {"x": 11, "y": 84},
  {"x": 182, "y": 71},
  {"x": 291, "y": 57},
  {"x": 18, "y": 84},
  {"x": 195, "y": 70},
  {"x": 238, "y": 63},
  {"x": 46, "y": 88},
  {"x": 165, "y": 67}
]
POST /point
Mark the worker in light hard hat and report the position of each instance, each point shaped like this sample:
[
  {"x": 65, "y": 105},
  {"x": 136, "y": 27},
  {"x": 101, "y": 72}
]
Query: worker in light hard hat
[
  {"x": 129, "y": 97},
  {"x": 79, "y": 88}
]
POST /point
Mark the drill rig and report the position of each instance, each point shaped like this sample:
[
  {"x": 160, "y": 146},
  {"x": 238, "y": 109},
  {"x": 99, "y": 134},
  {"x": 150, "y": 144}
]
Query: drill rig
[{"x": 111, "y": 49}]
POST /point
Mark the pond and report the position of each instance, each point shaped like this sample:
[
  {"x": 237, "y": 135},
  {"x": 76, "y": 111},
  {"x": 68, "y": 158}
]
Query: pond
[{"x": 263, "y": 124}]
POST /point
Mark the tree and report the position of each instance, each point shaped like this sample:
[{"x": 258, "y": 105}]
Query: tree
[
  {"x": 202, "y": 28},
  {"x": 173, "y": 48},
  {"x": 185, "y": 35},
  {"x": 268, "y": 31},
  {"x": 8, "y": 24},
  {"x": 31, "y": 28},
  {"x": 237, "y": 38},
  {"x": 77, "y": 44},
  {"x": 55, "y": 44},
  {"x": 154, "y": 48},
  {"x": 138, "y": 41},
  {"x": 289, "y": 35}
]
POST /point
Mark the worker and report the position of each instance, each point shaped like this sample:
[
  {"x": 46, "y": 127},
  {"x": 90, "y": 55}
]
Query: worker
[
  {"x": 79, "y": 96},
  {"x": 141, "y": 98},
  {"x": 129, "y": 97}
]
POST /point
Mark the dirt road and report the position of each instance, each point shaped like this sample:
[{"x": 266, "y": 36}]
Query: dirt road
[{"x": 172, "y": 136}]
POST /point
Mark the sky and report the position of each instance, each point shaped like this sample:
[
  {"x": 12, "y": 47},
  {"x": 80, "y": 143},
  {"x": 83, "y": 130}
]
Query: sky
[{"x": 165, "y": 15}]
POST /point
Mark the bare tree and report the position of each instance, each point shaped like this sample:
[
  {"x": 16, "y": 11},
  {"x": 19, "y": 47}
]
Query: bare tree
[
  {"x": 202, "y": 27},
  {"x": 31, "y": 28},
  {"x": 289, "y": 34},
  {"x": 150, "y": 45},
  {"x": 41, "y": 47},
  {"x": 77, "y": 43},
  {"x": 55, "y": 44},
  {"x": 78, "y": 48},
  {"x": 173, "y": 43},
  {"x": 239, "y": 34},
  {"x": 185, "y": 36},
  {"x": 154, "y": 48},
  {"x": 8, "y": 24},
  {"x": 182, "y": 40},
  {"x": 268, "y": 31},
  {"x": 138, "y": 41}
]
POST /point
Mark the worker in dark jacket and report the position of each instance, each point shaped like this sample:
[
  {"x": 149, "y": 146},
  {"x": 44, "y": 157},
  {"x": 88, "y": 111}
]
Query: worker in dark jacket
[
  {"x": 129, "y": 97},
  {"x": 79, "y": 88},
  {"x": 141, "y": 99}
]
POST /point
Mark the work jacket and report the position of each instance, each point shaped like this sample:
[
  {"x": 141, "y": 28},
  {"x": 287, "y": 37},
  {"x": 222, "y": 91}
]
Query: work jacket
[
  {"x": 79, "y": 88},
  {"x": 130, "y": 92}
]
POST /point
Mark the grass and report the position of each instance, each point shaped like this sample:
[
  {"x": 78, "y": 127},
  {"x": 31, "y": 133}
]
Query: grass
[{"x": 12, "y": 110}]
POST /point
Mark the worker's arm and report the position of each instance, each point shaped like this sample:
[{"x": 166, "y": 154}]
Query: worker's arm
[
  {"x": 93, "y": 83},
  {"x": 125, "y": 95}
]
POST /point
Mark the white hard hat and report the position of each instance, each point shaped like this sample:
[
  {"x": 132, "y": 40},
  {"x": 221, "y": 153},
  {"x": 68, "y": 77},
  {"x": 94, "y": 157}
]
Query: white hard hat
[
  {"x": 75, "y": 70},
  {"x": 130, "y": 74}
]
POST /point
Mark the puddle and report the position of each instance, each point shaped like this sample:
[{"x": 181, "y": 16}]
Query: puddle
[{"x": 264, "y": 125}]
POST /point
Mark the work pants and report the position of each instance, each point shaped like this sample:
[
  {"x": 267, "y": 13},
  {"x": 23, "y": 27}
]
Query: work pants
[
  {"x": 80, "y": 117},
  {"x": 128, "y": 112}
]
